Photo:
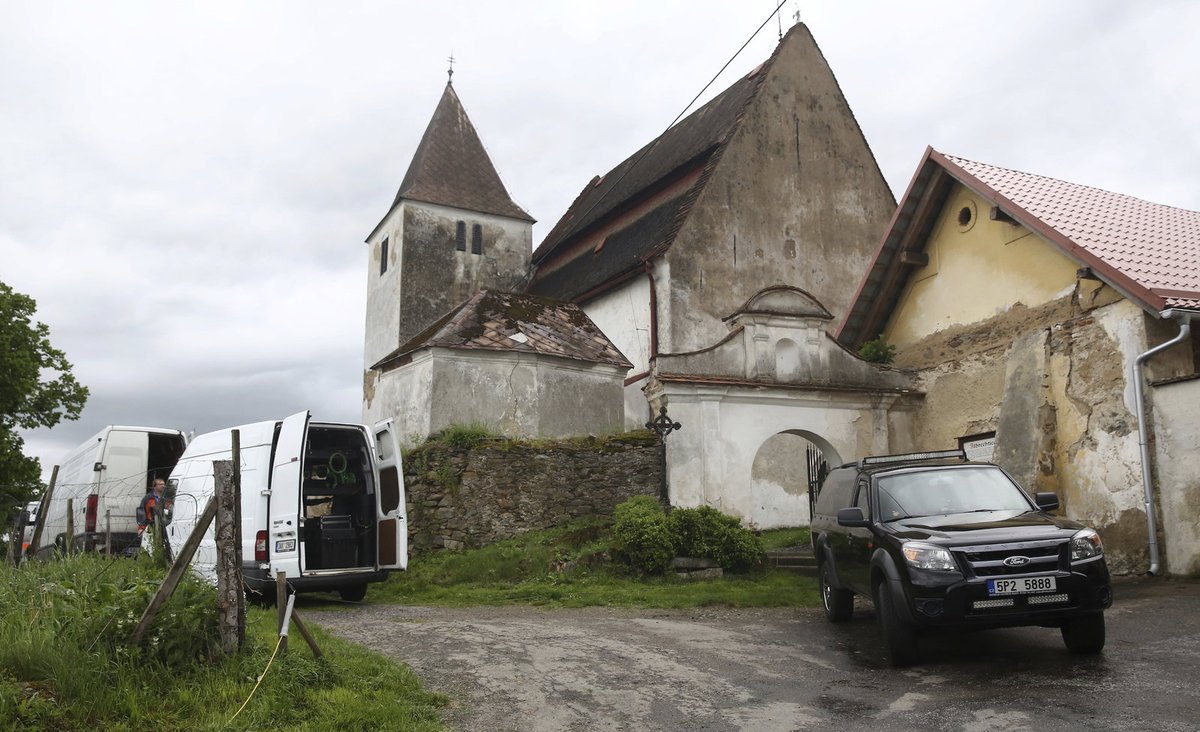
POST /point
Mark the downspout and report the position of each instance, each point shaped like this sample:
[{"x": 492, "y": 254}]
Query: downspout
[
  {"x": 1143, "y": 439},
  {"x": 653, "y": 311}
]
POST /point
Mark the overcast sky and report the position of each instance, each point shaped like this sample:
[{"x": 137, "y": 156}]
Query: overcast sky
[{"x": 185, "y": 187}]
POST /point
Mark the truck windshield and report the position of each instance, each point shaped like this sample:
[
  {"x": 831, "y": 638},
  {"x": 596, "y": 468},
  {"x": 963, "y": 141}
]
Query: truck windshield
[{"x": 943, "y": 492}]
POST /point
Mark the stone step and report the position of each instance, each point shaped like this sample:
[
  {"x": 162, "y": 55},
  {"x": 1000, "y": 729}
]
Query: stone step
[{"x": 798, "y": 559}]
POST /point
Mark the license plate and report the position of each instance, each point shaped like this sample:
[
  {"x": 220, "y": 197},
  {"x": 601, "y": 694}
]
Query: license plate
[{"x": 1021, "y": 585}]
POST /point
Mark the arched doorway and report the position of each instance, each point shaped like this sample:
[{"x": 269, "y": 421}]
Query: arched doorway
[{"x": 781, "y": 473}]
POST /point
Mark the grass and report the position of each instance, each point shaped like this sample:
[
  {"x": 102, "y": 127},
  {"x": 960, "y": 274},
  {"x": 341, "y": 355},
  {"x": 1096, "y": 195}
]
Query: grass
[
  {"x": 567, "y": 567},
  {"x": 64, "y": 664},
  {"x": 785, "y": 538}
]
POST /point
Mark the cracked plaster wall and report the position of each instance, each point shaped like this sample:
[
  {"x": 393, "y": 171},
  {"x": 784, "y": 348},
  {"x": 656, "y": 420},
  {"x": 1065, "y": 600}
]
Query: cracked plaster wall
[
  {"x": 1177, "y": 434},
  {"x": 1051, "y": 381}
]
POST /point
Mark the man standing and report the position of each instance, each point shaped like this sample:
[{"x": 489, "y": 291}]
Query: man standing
[{"x": 154, "y": 499}]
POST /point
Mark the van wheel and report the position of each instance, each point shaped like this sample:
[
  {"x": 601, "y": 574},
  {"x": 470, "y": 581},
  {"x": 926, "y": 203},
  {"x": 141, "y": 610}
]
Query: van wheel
[
  {"x": 899, "y": 638},
  {"x": 353, "y": 593},
  {"x": 839, "y": 604},
  {"x": 1084, "y": 634}
]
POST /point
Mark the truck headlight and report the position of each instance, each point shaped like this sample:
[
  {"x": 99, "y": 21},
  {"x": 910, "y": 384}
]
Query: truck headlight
[
  {"x": 928, "y": 556},
  {"x": 1086, "y": 544}
]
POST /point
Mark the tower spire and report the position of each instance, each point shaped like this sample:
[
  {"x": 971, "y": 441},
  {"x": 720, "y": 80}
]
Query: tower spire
[{"x": 450, "y": 71}]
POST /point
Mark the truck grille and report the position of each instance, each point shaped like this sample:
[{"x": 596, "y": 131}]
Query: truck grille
[{"x": 989, "y": 561}]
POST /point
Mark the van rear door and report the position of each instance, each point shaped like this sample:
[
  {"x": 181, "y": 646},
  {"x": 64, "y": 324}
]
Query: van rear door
[
  {"x": 391, "y": 521},
  {"x": 283, "y": 514}
]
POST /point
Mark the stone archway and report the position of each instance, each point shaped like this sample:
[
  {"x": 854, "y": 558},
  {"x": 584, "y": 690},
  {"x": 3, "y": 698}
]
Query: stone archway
[{"x": 779, "y": 477}]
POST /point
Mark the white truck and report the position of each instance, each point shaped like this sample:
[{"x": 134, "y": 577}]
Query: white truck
[
  {"x": 104, "y": 481},
  {"x": 321, "y": 502}
]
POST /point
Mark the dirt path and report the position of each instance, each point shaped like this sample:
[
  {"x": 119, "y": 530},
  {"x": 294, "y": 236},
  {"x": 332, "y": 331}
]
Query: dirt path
[{"x": 521, "y": 668}]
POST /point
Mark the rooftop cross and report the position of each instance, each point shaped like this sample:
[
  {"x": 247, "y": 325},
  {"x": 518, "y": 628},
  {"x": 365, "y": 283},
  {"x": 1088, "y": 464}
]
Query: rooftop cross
[{"x": 450, "y": 71}]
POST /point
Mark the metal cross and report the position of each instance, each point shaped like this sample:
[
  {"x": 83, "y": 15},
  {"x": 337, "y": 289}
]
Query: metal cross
[
  {"x": 662, "y": 424},
  {"x": 450, "y": 72}
]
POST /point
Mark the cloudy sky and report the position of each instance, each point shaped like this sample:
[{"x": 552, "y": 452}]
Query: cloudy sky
[{"x": 185, "y": 187}]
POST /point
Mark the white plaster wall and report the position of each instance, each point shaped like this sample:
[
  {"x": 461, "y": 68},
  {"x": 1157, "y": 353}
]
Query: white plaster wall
[
  {"x": 623, "y": 314},
  {"x": 383, "y": 291},
  {"x": 1176, "y": 410},
  {"x": 710, "y": 460},
  {"x": 403, "y": 395}
]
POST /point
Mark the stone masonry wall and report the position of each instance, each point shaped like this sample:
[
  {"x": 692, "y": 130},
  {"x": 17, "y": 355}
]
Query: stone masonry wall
[{"x": 472, "y": 497}]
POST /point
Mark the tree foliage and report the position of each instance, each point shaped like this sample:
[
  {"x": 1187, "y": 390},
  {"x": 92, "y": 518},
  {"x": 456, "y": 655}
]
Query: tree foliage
[
  {"x": 877, "y": 350},
  {"x": 37, "y": 389}
]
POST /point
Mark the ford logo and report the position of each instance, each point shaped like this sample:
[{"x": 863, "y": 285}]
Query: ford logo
[{"x": 1016, "y": 561}]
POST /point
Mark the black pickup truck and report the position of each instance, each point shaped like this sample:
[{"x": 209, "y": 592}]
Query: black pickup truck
[{"x": 939, "y": 542}]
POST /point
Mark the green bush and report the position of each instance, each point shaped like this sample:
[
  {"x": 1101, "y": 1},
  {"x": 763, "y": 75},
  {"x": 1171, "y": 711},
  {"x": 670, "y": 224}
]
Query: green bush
[
  {"x": 706, "y": 532},
  {"x": 641, "y": 538},
  {"x": 877, "y": 350},
  {"x": 646, "y": 539}
]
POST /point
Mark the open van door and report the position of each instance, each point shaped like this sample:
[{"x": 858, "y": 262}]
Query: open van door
[
  {"x": 283, "y": 516},
  {"x": 391, "y": 520}
]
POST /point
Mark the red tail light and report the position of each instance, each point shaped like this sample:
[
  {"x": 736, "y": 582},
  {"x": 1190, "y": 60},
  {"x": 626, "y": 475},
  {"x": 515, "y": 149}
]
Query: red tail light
[
  {"x": 260, "y": 546},
  {"x": 89, "y": 515}
]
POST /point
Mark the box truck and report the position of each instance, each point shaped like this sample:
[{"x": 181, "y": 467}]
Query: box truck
[
  {"x": 321, "y": 502},
  {"x": 103, "y": 482}
]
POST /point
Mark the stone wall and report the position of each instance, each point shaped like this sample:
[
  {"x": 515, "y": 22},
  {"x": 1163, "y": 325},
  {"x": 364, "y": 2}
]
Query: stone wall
[{"x": 472, "y": 497}]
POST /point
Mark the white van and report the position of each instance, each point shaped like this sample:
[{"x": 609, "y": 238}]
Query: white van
[
  {"x": 321, "y": 502},
  {"x": 106, "y": 478}
]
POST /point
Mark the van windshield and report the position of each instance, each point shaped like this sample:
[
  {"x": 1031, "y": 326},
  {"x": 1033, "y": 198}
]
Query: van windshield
[{"x": 944, "y": 492}]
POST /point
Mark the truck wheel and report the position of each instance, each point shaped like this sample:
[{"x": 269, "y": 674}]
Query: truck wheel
[
  {"x": 1084, "y": 634},
  {"x": 353, "y": 593},
  {"x": 899, "y": 638},
  {"x": 839, "y": 604}
]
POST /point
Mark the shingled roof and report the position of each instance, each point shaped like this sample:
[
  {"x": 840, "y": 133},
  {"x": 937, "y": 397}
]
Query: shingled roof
[
  {"x": 635, "y": 210},
  {"x": 1147, "y": 251},
  {"x": 451, "y": 167},
  {"x": 506, "y": 321}
]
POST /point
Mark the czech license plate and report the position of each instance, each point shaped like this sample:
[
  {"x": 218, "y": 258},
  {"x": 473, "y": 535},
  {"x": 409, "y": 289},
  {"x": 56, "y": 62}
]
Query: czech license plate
[{"x": 1021, "y": 585}]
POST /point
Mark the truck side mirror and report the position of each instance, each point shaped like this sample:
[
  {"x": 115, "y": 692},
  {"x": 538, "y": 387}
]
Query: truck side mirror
[
  {"x": 1046, "y": 501},
  {"x": 852, "y": 517}
]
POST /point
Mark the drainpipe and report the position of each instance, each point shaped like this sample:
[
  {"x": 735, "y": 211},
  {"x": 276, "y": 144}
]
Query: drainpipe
[{"x": 1143, "y": 440}]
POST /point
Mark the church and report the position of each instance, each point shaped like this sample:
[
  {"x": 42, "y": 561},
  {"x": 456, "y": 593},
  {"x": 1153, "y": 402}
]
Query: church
[{"x": 702, "y": 274}]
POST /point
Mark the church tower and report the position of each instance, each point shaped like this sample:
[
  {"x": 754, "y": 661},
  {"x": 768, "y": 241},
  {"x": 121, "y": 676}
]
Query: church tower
[{"x": 452, "y": 230}]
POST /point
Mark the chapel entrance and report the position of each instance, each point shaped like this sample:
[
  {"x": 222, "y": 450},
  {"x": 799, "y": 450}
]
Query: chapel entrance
[{"x": 788, "y": 467}]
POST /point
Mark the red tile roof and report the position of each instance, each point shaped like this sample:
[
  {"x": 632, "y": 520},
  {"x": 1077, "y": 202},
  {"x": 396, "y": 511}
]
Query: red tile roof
[
  {"x": 1156, "y": 246},
  {"x": 506, "y": 321},
  {"x": 1148, "y": 251}
]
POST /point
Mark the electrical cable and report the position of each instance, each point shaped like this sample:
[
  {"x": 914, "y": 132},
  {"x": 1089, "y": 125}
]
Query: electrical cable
[
  {"x": 679, "y": 116},
  {"x": 256, "y": 685}
]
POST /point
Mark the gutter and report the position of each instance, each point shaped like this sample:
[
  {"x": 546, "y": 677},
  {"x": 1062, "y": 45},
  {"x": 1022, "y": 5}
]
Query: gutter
[{"x": 1136, "y": 373}]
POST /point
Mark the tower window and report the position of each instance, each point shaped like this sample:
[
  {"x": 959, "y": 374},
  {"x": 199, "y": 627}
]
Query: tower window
[
  {"x": 383, "y": 256},
  {"x": 460, "y": 237},
  {"x": 476, "y": 239}
]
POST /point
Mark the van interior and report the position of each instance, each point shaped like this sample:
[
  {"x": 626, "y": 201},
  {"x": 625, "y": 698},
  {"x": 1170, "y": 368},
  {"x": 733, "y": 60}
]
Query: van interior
[
  {"x": 338, "y": 495},
  {"x": 162, "y": 453}
]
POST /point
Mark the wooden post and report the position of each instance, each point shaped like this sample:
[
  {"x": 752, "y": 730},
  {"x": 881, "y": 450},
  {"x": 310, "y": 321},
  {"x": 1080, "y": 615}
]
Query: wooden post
[
  {"x": 108, "y": 532},
  {"x": 70, "y": 525},
  {"x": 229, "y": 558},
  {"x": 43, "y": 509},
  {"x": 281, "y": 603},
  {"x": 312, "y": 642},
  {"x": 176, "y": 572},
  {"x": 237, "y": 535},
  {"x": 162, "y": 548}
]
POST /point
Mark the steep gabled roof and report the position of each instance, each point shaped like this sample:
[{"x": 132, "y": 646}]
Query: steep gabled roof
[
  {"x": 451, "y": 167},
  {"x": 506, "y": 321},
  {"x": 635, "y": 210},
  {"x": 1147, "y": 251}
]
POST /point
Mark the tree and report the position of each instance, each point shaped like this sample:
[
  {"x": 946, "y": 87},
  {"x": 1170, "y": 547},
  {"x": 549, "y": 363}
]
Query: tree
[{"x": 36, "y": 390}]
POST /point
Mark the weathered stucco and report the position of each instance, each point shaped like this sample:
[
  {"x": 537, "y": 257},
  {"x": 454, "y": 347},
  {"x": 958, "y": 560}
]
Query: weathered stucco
[
  {"x": 976, "y": 270},
  {"x": 776, "y": 380},
  {"x": 1052, "y": 383},
  {"x": 795, "y": 199},
  {"x": 427, "y": 275},
  {"x": 1177, "y": 434},
  {"x": 515, "y": 394},
  {"x": 623, "y": 314}
]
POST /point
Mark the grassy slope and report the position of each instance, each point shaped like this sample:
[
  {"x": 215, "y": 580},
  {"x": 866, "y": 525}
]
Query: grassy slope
[
  {"x": 63, "y": 664},
  {"x": 564, "y": 567}
]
